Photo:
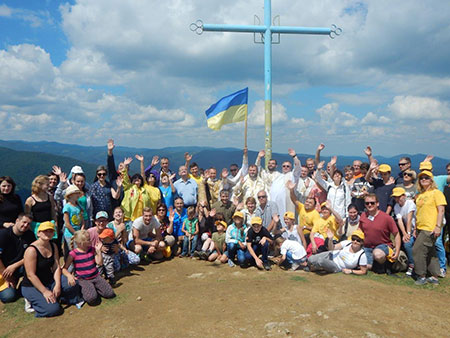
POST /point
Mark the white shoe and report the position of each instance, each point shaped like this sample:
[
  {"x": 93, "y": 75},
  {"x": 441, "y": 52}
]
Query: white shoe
[
  {"x": 294, "y": 266},
  {"x": 28, "y": 307},
  {"x": 79, "y": 305},
  {"x": 443, "y": 273}
]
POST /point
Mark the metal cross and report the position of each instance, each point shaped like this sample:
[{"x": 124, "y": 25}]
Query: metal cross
[{"x": 266, "y": 31}]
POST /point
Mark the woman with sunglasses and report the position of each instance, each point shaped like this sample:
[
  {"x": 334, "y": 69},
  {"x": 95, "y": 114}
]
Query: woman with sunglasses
[
  {"x": 346, "y": 256},
  {"x": 102, "y": 192},
  {"x": 409, "y": 184},
  {"x": 429, "y": 216}
]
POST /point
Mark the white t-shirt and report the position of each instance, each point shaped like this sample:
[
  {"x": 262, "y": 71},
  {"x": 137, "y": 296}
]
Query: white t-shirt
[
  {"x": 292, "y": 235},
  {"x": 402, "y": 212},
  {"x": 295, "y": 248},
  {"x": 346, "y": 259},
  {"x": 145, "y": 229}
]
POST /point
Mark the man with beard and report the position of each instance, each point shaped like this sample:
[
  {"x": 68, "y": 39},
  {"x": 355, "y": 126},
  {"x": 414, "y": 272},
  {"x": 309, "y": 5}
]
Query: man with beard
[{"x": 271, "y": 173}]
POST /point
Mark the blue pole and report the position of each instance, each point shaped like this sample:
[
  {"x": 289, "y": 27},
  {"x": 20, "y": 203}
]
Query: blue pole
[{"x": 268, "y": 81}]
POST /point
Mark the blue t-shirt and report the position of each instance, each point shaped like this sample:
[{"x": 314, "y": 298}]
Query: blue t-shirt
[
  {"x": 441, "y": 182},
  {"x": 74, "y": 217},
  {"x": 178, "y": 223},
  {"x": 167, "y": 195}
]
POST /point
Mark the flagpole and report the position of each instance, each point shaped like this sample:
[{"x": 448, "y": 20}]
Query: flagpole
[{"x": 245, "y": 130}]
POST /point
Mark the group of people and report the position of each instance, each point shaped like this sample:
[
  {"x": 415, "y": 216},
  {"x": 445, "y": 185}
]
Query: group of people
[{"x": 313, "y": 217}]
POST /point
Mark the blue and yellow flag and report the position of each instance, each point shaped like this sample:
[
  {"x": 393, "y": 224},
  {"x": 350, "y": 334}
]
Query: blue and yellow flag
[{"x": 229, "y": 109}]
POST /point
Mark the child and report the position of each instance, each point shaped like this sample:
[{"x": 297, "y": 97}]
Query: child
[
  {"x": 84, "y": 259},
  {"x": 190, "y": 230},
  {"x": 111, "y": 260},
  {"x": 258, "y": 241},
  {"x": 235, "y": 239},
  {"x": 73, "y": 216},
  {"x": 291, "y": 231},
  {"x": 294, "y": 253},
  {"x": 218, "y": 239},
  {"x": 122, "y": 231}
]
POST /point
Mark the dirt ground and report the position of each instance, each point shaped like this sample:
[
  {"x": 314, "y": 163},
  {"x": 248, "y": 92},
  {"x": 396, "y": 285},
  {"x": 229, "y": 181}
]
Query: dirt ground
[{"x": 189, "y": 298}]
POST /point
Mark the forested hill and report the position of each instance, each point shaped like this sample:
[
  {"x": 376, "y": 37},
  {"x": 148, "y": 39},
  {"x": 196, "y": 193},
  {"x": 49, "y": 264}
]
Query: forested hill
[{"x": 23, "y": 166}]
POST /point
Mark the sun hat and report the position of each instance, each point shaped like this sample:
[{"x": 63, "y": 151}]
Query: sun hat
[{"x": 72, "y": 189}]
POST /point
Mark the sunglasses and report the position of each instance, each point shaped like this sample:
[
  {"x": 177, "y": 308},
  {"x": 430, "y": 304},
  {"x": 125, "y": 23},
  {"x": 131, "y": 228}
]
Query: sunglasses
[
  {"x": 402, "y": 164},
  {"x": 234, "y": 169},
  {"x": 357, "y": 239},
  {"x": 425, "y": 178},
  {"x": 101, "y": 174},
  {"x": 407, "y": 174},
  {"x": 370, "y": 203},
  {"x": 264, "y": 196}
]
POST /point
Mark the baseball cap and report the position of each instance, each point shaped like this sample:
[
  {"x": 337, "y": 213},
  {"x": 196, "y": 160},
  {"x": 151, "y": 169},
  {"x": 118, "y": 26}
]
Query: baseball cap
[
  {"x": 384, "y": 168},
  {"x": 238, "y": 214},
  {"x": 256, "y": 220},
  {"x": 46, "y": 226},
  {"x": 425, "y": 165},
  {"x": 289, "y": 214},
  {"x": 101, "y": 214},
  {"x": 398, "y": 191},
  {"x": 106, "y": 233}
]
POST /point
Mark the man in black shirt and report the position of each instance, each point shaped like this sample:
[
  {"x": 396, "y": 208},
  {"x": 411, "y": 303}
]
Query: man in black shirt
[
  {"x": 258, "y": 241},
  {"x": 13, "y": 242}
]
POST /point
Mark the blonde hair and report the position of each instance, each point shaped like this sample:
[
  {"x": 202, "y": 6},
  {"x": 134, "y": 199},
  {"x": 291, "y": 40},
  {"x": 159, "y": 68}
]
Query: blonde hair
[
  {"x": 37, "y": 183},
  {"x": 80, "y": 236}
]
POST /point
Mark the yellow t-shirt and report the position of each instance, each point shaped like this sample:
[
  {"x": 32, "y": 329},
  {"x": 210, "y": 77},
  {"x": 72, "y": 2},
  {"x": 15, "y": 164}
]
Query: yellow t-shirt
[
  {"x": 197, "y": 179},
  {"x": 306, "y": 218},
  {"x": 322, "y": 225},
  {"x": 427, "y": 203},
  {"x": 154, "y": 195},
  {"x": 139, "y": 209}
]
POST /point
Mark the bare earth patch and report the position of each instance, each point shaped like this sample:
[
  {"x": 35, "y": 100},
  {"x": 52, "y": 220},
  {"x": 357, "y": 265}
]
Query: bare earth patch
[{"x": 188, "y": 298}]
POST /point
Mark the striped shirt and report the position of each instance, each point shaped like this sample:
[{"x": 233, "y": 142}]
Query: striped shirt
[{"x": 84, "y": 263}]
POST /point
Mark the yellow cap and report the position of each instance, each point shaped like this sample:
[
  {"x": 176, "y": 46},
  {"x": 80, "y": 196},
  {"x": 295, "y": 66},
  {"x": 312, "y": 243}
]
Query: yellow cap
[
  {"x": 256, "y": 220},
  {"x": 238, "y": 214},
  {"x": 323, "y": 204},
  {"x": 384, "y": 168},
  {"x": 167, "y": 252},
  {"x": 425, "y": 165},
  {"x": 46, "y": 226},
  {"x": 289, "y": 214},
  {"x": 358, "y": 233},
  {"x": 222, "y": 223},
  {"x": 425, "y": 173},
  {"x": 390, "y": 254},
  {"x": 398, "y": 191}
]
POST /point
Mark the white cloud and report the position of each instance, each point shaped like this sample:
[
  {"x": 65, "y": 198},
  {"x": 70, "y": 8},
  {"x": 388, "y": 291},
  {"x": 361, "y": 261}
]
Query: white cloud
[
  {"x": 415, "y": 107},
  {"x": 257, "y": 116},
  {"x": 5, "y": 11},
  {"x": 372, "y": 118},
  {"x": 440, "y": 126}
]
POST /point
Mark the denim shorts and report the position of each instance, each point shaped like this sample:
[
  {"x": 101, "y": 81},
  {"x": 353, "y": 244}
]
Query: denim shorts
[{"x": 369, "y": 255}]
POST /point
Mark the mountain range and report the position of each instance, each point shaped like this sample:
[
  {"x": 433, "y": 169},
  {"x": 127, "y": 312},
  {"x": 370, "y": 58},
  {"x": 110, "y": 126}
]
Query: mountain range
[{"x": 24, "y": 160}]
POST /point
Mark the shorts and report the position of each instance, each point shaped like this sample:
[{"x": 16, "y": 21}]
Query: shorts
[{"x": 369, "y": 255}]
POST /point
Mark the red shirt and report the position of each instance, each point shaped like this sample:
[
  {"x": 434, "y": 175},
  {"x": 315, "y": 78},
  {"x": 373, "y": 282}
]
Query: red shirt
[{"x": 378, "y": 230}]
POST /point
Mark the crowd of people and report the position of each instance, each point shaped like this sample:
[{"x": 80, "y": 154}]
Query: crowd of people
[{"x": 70, "y": 238}]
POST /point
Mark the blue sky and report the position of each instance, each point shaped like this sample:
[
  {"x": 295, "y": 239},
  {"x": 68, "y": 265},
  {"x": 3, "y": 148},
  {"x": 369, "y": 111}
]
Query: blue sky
[{"x": 84, "y": 71}]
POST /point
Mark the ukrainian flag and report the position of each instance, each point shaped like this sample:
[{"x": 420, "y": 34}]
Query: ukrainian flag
[{"x": 229, "y": 109}]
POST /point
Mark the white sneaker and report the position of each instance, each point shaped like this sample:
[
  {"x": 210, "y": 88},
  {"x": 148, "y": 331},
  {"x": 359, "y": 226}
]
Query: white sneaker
[
  {"x": 28, "y": 307},
  {"x": 79, "y": 305},
  {"x": 443, "y": 273},
  {"x": 294, "y": 266},
  {"x": 410, "y": 270}
]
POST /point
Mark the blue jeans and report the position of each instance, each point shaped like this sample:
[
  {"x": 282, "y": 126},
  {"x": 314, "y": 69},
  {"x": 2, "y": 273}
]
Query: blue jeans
[
  {"x": 440, "y": 251},
  {"x": 186, "y": 245},
  {"x": 369, "y": 255},
  {"x": 9, "y": 295},
  {"x": 69, "y": 295},
  {"x": 409, "y": 252},
  {"x": 291, "y": 260},
  {"x": 259, "y": 249},
  {"x": 234, "y": 249}
]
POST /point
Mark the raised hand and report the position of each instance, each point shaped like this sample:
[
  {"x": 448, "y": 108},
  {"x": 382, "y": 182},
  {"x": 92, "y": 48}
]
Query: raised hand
[
  {"x": 321, "y": 147},
  {"x": 171, "y": 214},
  {"x": 155, "y": 160},
  {"x": 110, "y": 145},
  {"x": 245, "y": 151},
  {"x": 320, "y": 165},
  {"x": 429, "y": 158},
  {"x": 224, "y": 173},
  {"x": 368, "y": 151},
  {"x": 213, "y": 212},
  {"x": 261, "y": 153},
  {"x": 333, "y": 160},
  {"x": 127, "y": 161},
  {"x": 291, "y": 152},
  {"x": 140, "y": 158},
  {"x": 56, "y": 170},
  {"x": 290, "y": 185},
  {"x": 119, "y": 181},
  {"x": 187, "y": 157},
  {"x": 63, "y": 177},
  {"x": 171, "y": 177}
]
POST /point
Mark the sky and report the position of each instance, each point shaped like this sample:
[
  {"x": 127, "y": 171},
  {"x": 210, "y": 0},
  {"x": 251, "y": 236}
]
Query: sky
[{"x": 84, "y": 71}]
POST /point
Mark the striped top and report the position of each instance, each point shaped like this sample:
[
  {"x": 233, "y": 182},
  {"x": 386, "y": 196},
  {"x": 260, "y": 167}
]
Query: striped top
[{"x": 84, "y": 263}]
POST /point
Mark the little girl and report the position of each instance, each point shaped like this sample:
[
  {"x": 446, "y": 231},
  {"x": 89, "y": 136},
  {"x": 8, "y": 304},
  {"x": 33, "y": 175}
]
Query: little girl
[
  {"x": 122, "y": 231},
  {"x": 190, "y": 230},
  {"x": 73, "y": 217},
  {"x": 85, "y": 260}
]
